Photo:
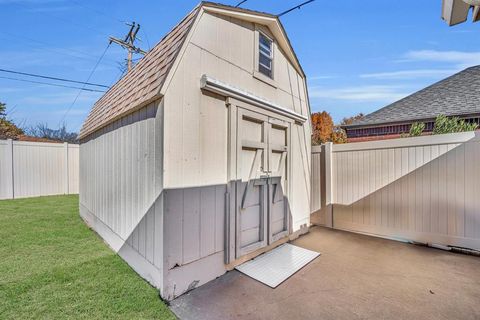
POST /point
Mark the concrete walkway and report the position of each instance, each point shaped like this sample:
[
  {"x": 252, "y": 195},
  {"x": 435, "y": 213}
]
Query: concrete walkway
[{"x": 356, "y": 277}]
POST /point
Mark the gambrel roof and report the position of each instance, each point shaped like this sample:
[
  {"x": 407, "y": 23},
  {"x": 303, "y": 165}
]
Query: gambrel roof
[
  {"x": 143, "y": 84},
  {"x": 456, "y": 95}
]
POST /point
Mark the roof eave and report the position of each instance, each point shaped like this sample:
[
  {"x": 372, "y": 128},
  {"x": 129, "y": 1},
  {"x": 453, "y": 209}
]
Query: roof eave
[
  {"x": 88, "y": 132},
  {"x": 406, "y": 121}
]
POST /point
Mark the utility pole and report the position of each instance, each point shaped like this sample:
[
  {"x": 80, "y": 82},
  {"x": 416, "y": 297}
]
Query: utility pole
[{"x": 128, "y": 43}]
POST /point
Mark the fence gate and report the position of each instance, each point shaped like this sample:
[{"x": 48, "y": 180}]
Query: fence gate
[{"x": 422, "y": 189}]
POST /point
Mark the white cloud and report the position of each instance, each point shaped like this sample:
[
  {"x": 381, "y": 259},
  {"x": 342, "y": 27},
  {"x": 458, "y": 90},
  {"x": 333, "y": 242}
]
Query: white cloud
[
  {"x": 460, "y": 59},
  {"x": 321, "y": 77},
  {"x": 410, "y": 74},
  {"x": 371, "y": 93},
  {"x": 61, "y": 98}
]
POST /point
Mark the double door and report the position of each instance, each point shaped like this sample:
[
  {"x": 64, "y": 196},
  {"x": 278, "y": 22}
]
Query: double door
[{"x": 262, "y": 161}]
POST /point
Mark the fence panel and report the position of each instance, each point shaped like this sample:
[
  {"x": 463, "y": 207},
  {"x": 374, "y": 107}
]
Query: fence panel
[
  {"x": 422, "y": 189},
  {"x": 316, "y": 179},
  {"x": 30, "y": 169}
]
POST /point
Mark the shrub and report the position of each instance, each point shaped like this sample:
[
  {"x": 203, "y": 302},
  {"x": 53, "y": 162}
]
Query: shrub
[
  {"x": 339, "y": 135},
  {"x": 416, "y": 129},
  {"x": 444, "y": 124}
]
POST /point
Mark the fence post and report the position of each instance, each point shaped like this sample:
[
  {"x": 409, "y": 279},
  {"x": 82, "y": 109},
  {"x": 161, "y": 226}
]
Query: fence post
[
  {"x": 328, "y": 185},
  {"x": 66, "y": 178},
  {"x": 10, "y": 164}
]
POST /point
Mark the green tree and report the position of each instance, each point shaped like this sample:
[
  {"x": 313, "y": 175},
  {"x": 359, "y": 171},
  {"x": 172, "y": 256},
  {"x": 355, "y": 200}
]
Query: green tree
[
  {"x": 8, "y": 130},
  {"x": 3, "y": 110}
]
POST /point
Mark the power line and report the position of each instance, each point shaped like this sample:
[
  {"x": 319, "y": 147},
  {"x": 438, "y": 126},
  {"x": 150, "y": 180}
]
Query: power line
[
  {"x": 296, "y": 7},
  {"x": 129, "y": 43},
  {"x": 146, "y": 38},
  {"x": 100, "y": 12},
  {"x": 76, "y": 53},
  {"x": 88, "y": 79},
  {"x": 240, "y": 3},
  {"x": 69, "y": 21},
  {"x": 113, "y": 18},
  {"x": 51, "y": 84},
  {"x": 53, "y": 78}
]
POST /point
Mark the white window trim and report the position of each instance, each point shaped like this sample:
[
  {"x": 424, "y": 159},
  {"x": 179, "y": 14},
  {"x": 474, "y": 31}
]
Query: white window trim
[{"x": 256, "y": 73}]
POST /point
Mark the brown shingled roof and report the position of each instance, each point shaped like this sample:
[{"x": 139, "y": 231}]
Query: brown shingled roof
[{"x": 142, "y": 84}]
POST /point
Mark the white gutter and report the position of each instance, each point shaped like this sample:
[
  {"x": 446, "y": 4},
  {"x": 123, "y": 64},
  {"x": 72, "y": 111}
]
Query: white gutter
[{"x": 221, "y": 88}]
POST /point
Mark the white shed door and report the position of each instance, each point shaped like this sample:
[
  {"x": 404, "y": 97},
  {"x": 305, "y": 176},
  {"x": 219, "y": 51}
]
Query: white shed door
[{"x": 262, "y": 208}]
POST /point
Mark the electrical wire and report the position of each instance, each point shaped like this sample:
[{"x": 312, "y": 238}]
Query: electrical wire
[
  {"x": 88, "y": 79},
  {"x": 240, "y": 3},
  {"x": 296, "y": 7},
  {"x": 69, "y": 21},
  {"x": 146, "y": 37},
  {"x": 51, "y": 84},
  {"x": 100, "y": 12},
  {"x": 48, "y": 47},
  {"x": 53, "y": 78}
]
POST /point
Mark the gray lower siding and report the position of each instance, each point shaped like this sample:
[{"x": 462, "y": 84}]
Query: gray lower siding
[{"x": 194, "y": 222}]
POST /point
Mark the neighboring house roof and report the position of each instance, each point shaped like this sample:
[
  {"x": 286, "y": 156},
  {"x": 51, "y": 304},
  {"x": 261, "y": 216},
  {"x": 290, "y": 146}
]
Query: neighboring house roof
[
  {"x": 26, "y": 138},
  {"x": 456, "y": 95},
  {"x": 143, "y": 84}
]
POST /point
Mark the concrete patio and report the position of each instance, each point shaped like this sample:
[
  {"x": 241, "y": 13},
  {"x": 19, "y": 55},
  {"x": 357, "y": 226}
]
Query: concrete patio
[{"x": 356, "y": 277}]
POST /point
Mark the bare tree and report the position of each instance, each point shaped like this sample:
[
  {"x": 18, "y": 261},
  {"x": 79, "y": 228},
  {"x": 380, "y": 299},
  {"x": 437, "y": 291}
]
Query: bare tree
[{"x": 41, "y": 130}]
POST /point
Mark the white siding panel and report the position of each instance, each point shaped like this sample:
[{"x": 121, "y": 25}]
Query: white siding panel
[
  {"x": 6, "y": 174},
  {"x": 30, "y": 169},
  {"x": 118, "y": 172}
]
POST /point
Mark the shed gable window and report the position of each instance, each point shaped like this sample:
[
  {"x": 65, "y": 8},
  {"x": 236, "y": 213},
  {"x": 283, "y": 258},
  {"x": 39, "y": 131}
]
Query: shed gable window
[{"x": 265, "y": 55}]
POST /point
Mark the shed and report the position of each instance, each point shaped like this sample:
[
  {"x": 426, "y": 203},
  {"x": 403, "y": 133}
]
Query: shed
[{"x": 199, "y": 158}]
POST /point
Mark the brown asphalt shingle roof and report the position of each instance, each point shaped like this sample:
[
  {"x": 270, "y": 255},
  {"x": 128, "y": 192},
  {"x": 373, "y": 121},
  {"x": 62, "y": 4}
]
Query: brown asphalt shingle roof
[
  {"x": 142, "y": 84},
  {"x": 454, "y": 96}
]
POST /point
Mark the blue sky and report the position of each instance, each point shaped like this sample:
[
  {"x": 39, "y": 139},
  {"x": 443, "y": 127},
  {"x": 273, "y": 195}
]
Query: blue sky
[{"x": 357, "y": 57}]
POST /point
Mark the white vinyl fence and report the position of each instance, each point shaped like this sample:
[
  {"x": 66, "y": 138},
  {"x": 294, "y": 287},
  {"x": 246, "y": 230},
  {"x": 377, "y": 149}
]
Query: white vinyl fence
[
  {"x": 424, "y": 189},
  {"x": 30, "y": 169}
]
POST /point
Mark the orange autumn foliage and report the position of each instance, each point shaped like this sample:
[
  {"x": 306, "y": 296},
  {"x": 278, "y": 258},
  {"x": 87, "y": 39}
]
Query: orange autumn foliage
[{"x": 322, "y": 127}]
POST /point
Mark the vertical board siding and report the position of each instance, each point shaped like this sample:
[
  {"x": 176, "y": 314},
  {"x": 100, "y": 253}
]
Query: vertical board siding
[
  {"x": 423, "y": 189},
  {"x": 32, "y": 169},
  {"x": 196, "y": 122},
  {"x": 117, "y": 180},
  {"x": 194, "y": 223},
  {"x": 6, "y": 183}
]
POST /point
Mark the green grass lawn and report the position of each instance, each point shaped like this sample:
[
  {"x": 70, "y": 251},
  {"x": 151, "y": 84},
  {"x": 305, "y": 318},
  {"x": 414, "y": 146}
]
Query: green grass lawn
[{"x": 53, "y": 266}]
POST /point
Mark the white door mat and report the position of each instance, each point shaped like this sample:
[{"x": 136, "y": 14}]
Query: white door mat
[{"x": 277, "y": 265}]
